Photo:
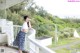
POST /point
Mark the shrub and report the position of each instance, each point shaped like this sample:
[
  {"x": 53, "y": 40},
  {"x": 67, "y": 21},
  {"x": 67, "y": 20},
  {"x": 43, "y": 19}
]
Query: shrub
[{"x": 66, "y": 33}]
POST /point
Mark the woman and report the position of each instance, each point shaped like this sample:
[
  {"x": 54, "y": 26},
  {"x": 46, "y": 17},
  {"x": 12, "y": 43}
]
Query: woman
[{"x": 19, "y": 41}]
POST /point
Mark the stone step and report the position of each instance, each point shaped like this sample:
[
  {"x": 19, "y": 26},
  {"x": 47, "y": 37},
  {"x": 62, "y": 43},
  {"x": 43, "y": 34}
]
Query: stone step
[
  {"x": 3, "y": 38},
  {"x": 6, "y": 49}
]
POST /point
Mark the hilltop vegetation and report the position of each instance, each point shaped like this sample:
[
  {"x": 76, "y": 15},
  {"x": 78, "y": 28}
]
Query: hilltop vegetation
[{"x": 42, "y": 21}]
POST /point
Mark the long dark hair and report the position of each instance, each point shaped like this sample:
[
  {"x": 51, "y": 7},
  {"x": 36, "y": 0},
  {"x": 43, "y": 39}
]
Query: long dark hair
[{"x": 25, "y": 17}]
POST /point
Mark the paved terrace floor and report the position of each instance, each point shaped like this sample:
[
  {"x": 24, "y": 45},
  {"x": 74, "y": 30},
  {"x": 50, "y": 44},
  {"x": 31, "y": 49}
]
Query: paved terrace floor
[{"x": 6, "y": 49}]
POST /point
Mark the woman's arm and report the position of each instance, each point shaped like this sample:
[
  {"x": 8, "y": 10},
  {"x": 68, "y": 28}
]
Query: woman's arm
[{"x": 25, "y": 30}]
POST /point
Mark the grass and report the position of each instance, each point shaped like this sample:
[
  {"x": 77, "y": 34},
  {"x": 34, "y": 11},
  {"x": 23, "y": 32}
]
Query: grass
[
  {"x": 74, "y": 48},
  {"x": 77, "y": 46},
  {"x": 63, "y": 51},
  {"x": 63, "y": 42}
]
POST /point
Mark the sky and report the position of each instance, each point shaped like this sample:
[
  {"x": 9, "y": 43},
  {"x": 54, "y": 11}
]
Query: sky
[{"x": 61, "y": 8}]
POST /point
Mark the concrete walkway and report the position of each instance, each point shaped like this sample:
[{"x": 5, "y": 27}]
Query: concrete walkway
[
  {"x": 67, "y": 46},
  {"x": 4, "y": 49}
]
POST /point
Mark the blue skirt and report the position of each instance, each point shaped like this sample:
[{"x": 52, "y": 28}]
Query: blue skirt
[{"x": 20, "y": 39}]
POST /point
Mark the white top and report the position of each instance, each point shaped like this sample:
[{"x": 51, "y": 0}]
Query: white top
[{"x": 24, "y": 26}]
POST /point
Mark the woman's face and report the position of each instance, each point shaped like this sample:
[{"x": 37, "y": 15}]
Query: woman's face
[{"x": 27, "y": 19}]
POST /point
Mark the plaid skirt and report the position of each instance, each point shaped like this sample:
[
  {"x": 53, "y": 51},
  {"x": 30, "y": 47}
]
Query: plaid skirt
[{"x": 20, "y": 39}]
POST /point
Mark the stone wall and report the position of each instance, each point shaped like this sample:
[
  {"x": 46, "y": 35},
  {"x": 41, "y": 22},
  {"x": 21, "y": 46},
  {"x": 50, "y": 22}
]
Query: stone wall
[{"x": 7, "y": 28}]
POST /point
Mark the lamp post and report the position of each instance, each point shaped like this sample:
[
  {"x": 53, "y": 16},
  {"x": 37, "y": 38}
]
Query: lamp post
[{"x": 56, "y": 36}]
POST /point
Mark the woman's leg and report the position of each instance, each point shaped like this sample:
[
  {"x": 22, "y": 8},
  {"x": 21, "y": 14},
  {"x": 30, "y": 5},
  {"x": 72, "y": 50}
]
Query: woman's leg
[
  {"x": 21, "y": 40},
  {"x": 20, "y": 51}
]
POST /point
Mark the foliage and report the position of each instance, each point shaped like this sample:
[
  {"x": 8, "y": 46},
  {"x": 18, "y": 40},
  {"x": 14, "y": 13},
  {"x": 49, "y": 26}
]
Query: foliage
[
  {"x": 66, "y": 33},
  {"x": 41, "y": 20},
  {"x": 43, "y": 27},
  {"x": 2, "y": 14}
]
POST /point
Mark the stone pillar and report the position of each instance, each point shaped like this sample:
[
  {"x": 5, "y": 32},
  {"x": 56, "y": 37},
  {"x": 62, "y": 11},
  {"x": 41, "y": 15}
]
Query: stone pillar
[
  {"x": 3, "y": 25},
  {"x": 28, "y": 44},
  {"x": 7, "y": 28},
  {"x": 9, "y": 32},
  {"x": 33, "y": 47}
]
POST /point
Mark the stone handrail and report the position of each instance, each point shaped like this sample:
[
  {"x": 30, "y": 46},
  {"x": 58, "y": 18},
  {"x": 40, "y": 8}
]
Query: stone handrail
[{"x": 33, "y": 45}]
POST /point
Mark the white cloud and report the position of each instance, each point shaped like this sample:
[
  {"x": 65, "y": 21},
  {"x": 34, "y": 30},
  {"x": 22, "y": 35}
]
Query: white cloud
[{"x": 60, "y": 7}]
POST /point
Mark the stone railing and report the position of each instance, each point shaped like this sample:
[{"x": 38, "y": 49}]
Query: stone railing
[{"x": 31, "y": 44}]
